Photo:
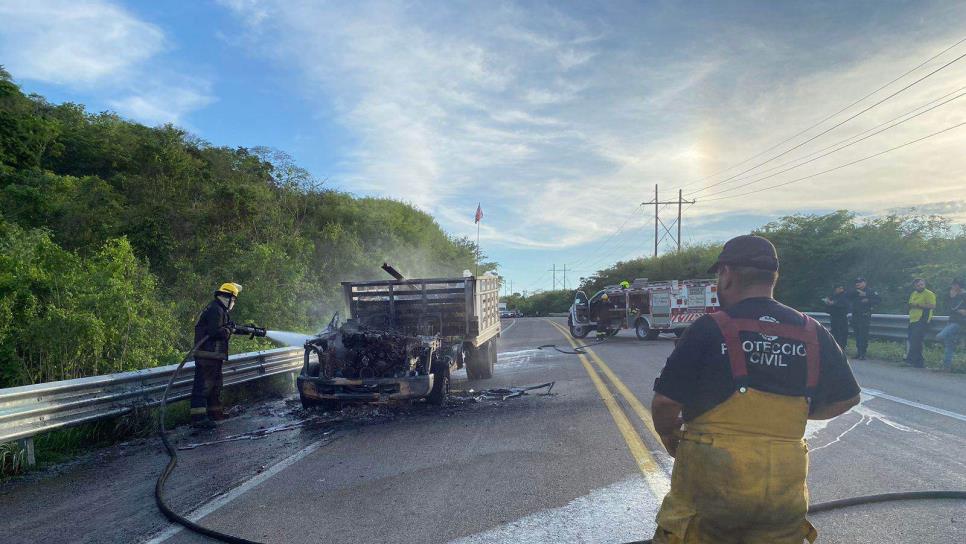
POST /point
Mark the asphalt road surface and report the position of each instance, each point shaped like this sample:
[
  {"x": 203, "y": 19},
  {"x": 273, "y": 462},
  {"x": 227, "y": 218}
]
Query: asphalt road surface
[{"x": 580, "y": 465}]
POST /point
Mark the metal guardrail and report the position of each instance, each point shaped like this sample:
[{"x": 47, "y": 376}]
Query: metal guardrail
[
  {"x": 33, "y": 409},
  {"x": 891, "y": 326}
]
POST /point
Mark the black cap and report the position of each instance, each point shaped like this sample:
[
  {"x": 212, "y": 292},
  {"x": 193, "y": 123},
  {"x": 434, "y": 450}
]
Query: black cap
[
  {"x": 859, "y": 279},
  {"x": 747, "y": 250}
]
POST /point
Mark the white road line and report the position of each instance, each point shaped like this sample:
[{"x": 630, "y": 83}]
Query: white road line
[
  {"x": 512, "y": 323},
  {"x": 227, "y": 498},
  {"x": 879, "y": 394}
]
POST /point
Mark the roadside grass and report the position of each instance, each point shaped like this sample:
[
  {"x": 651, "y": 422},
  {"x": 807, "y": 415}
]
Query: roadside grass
[
  {"x": 65, "y": 444},
  {"x": 895, "y": 352}
]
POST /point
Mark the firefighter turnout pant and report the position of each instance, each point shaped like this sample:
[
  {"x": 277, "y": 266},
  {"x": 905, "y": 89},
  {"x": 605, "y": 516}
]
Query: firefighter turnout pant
[{"x": 206, "y": 390}]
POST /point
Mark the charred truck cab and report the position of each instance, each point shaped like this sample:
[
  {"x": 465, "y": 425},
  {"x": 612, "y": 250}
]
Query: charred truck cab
[
  {"x": 402, "y": 339},
  {"x": 649, "y": 307}
]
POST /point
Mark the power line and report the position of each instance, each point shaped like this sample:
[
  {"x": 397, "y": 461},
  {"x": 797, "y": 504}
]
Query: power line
[
  {"x": 877, "y": 132},
  {"x": 917, "y": 140},
  {"x": 931, "y": 102},
  {"x": 603, "y": 244},
  {"x": 797, "y": 134},
  {"x": 835, "y": 126}
]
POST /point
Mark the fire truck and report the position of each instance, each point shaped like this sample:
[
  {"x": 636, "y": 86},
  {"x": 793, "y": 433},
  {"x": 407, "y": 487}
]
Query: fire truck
[{"x": 651, "y": 308}]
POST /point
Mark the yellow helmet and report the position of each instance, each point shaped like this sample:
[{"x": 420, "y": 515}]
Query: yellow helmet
[
  {"x": 604, "y": 297},
  {"x": 230, "y": 289},
  {"x": 625, "y": 284}
]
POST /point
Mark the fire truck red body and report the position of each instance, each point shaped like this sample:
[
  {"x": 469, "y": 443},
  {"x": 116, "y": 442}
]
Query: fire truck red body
[{"x": 649, "y": 307}]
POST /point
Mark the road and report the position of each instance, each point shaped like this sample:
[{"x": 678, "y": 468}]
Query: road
[{"x": 581, "y": 465}]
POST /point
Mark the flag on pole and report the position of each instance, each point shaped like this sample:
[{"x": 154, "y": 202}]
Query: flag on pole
[{"x": 479, "y": 213}]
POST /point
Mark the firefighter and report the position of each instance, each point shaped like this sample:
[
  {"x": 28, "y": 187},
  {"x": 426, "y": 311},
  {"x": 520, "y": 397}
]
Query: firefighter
[
  {"x": 625, "y": 285},
  {"x": 731, "y": 405},
  {"x": 215, "y": 323},
  {"x": 863, "y": 300}
]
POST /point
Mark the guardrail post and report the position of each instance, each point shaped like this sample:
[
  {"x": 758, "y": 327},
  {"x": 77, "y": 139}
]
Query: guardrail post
[{"x": 27, "y": 444}]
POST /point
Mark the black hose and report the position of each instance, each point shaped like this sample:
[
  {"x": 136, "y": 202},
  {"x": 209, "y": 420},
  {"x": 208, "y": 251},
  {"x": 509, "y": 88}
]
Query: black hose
[
  {"x": 173, "y": 462},
  {"x": 870, "y": 499},
  {"x": 578, "y": 350},
  {"x": 190, "y": 525}
]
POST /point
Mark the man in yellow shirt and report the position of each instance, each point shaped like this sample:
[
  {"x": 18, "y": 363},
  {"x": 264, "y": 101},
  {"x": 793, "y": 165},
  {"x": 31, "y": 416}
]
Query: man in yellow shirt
[{"x": 922, "y": 302}]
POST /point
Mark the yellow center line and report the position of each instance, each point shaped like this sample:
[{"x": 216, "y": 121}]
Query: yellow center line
[
  {"x": 653, "y": 474},
  {"x": 642, "y": 412}
]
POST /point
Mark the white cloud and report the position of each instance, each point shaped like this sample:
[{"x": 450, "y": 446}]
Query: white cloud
[
  {"x": 163, "y": 103},
  {"x": 74, "y": 42},
  {"x": 561, "y": 123},
  {"x": 102, "y": 48}
]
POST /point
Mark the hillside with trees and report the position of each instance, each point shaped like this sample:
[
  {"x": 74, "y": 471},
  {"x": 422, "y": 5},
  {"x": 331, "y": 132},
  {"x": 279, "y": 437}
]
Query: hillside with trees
[{"x": 113, "y": 235}]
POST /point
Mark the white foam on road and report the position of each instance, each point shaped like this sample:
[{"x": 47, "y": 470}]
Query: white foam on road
[
  {"x": 621, "y": 512},
  {"x": 866, "y": 416}
]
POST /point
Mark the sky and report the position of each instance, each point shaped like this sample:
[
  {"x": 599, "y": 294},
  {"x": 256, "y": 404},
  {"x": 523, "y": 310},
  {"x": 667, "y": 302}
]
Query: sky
[{"x": 558, "y": 118}]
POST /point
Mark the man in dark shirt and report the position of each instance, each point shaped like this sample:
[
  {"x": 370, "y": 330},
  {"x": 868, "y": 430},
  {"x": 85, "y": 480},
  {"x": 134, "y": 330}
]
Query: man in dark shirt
[
  {"x": 957, "y": 321},
  {"x": 838, "y": 310},
  {"x": 212, "y": 332},
  {"x": 863, "y": 300},
  {"x": 743, "y": 382}
]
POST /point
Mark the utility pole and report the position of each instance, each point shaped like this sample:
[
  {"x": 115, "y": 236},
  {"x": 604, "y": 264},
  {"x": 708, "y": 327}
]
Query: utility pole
[
  {"x": 680, "y": 201},
  {"x": 565, "y": 276},
  {"x": 554, "y": 270},
  {"x": 657, "y": 218}
]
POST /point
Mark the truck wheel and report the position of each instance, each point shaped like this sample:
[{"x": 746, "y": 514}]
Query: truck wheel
[
  {"x": 577, "y": 331},
  {"x": 437, "y": 395},
  {"x": 644, "y": 331},
  {"x": 470, "y": 354},
  {"x": 479, "y": 366}
]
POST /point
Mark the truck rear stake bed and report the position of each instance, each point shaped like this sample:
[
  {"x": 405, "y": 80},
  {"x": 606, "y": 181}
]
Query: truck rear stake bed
[{"x": 402, "y": 340}]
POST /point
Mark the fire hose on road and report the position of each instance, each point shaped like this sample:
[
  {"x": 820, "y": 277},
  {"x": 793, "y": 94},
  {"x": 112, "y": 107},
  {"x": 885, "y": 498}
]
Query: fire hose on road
[{"x": 232, "y": 539}]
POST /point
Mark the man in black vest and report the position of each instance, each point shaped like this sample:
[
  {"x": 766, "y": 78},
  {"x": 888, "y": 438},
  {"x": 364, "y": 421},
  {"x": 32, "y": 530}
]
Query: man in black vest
[
  {"x": 838, "y": 310},
  {"x": 863, "y": 300}
]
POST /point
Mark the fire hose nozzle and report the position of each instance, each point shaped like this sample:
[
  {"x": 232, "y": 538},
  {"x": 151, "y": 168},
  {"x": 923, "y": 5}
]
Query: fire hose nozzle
[{"x": 251, "y": 330}]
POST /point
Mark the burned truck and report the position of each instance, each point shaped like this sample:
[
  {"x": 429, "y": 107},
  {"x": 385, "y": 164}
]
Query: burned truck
[{"x": 402, "y": 339}]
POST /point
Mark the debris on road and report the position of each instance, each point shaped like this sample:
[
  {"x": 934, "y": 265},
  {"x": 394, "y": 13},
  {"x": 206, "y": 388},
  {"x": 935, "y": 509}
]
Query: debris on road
[
  {"x": 257, "y": 434},
  {"x": 504, "y": 393}
]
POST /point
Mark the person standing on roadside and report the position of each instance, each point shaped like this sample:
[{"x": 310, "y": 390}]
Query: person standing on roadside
[
  {"x": 838, "y": 310},
  {"x": 957, "y": 321},
  {"x": 922, "y": 302},
  {"x": 862, "y": 300}
]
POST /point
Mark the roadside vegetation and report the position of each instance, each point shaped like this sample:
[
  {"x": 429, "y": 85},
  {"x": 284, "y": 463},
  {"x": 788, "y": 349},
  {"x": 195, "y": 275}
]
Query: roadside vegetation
[
  {"x": 818, "y": 252},
  {"x": 113, "y": 235}
]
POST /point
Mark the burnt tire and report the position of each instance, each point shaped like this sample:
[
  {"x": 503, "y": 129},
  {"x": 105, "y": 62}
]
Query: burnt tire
[
  {"x": 324, "y": 405},
  {"x": 437, "y": 395}
]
